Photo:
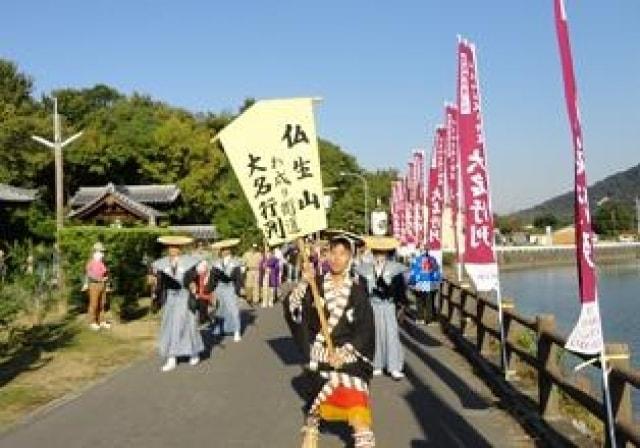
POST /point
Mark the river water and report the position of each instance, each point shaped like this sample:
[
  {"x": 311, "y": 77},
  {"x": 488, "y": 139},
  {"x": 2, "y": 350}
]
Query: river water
[{"x": 554, "y": 290}]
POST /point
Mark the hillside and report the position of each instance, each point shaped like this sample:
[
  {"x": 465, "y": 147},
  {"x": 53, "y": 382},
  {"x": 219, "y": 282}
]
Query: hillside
[{"x": 623, "y": 186}]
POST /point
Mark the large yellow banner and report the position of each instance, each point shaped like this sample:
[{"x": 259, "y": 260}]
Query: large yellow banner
[{"x": 273, "y": 149}]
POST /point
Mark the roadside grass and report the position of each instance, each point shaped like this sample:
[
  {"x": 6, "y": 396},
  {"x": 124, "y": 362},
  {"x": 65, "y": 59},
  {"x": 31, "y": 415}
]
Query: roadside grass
[{"x": 45, "y": 362}]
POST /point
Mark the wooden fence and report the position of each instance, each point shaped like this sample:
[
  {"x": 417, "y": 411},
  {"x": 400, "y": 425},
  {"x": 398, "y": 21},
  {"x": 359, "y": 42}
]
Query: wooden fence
[{"x": 474, "y": 319}]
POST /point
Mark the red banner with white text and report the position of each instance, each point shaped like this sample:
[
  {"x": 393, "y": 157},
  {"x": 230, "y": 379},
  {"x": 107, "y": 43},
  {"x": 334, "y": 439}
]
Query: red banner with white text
[
  {"x": 479, "y": 256},
  {"x": 586, "y": 337},
  {"x": 436, "y": 195}
]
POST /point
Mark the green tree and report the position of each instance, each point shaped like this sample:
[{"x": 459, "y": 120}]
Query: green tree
[
  {"x": 507, "y": 224},
  {"x": 134, "y": 139},
  {"x": 544, "y": 220},
  {"x": 613, "y": 217}
]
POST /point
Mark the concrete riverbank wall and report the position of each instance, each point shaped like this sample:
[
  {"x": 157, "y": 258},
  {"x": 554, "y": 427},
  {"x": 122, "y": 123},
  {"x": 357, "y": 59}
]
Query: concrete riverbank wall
[{"x": 523, "y": 257}]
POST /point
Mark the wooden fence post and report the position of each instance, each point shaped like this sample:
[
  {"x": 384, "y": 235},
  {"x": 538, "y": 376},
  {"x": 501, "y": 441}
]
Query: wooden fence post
[
  {"x": 508, "y": 306},
  {"x": 547, "y": 361},
  {"x": 462, "y": 319}
]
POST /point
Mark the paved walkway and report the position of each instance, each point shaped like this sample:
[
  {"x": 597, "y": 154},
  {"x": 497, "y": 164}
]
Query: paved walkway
[{"x": 245, "y": 396}]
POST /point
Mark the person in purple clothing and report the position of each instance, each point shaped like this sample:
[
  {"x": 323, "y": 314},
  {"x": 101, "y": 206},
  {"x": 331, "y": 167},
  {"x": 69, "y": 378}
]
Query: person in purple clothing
[
  {"x": 273, "y": 263},
  {"x": 264, "y": 278},
  {"x": 324, "y": 261}
]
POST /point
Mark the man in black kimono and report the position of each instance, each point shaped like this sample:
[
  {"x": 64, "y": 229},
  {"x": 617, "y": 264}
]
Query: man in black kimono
[{"x": 338, "y": 380}]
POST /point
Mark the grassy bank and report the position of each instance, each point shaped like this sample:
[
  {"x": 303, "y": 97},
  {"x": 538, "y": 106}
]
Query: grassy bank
[{"x": 43, "y": 363}]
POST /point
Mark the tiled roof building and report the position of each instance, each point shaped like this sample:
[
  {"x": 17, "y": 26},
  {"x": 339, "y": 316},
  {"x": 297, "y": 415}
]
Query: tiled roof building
[{"x": 15, "y": 194}]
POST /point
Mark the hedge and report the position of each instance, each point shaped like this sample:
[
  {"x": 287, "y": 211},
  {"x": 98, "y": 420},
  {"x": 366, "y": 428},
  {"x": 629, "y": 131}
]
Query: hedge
[{"x": 127, "y": 249}]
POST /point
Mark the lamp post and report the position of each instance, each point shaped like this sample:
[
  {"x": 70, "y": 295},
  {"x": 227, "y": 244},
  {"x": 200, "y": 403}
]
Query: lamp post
[
  {"x": 57, "y": 144},
  {"x": 328, "y": 200},
  {"x": 366, "y": 194}
]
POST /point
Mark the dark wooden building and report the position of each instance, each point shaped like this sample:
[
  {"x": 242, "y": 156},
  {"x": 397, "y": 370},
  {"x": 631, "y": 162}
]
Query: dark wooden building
[
  {"x": 126, "y": 205},
  {"x": 123, "y": 204}
]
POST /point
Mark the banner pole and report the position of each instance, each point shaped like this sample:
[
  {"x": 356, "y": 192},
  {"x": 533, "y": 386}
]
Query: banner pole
[
  {"x": 611, "y": 424},
  {"x": 317, "y": 301}
]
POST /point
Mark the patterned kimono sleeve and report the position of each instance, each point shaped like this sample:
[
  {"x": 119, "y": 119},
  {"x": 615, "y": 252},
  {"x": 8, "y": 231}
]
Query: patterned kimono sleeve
[
  {"x": 295, "y": 301},
  {"x": 362, "y": 344}
]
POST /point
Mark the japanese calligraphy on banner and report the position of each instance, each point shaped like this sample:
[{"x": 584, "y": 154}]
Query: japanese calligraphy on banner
[
  {"x": 452, "y": 171},
  {"x": 479, "y": 256},
  {"x": 436, "y": 195},
  {"x": 587, "y": 334},
  {"x": 451, "y": 125},
  {"x": 273, "y": 150},
  {"x": 419, "y": 210},
  {"x": 397, "y": 209}
]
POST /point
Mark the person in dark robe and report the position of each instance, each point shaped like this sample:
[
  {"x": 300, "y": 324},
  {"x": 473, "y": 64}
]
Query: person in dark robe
[{"x": 337, "y": 381}]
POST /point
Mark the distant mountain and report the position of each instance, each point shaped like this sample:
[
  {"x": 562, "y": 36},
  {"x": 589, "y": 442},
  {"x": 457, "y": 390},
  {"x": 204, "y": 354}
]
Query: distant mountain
[{"x": 622, "y": 186}]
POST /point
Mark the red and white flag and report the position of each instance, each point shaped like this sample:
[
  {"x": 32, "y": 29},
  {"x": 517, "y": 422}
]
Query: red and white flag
[
  {"x": 479, "y": 256},
  {"x": 418, "y": 163},
  {"x": 586, "y": 336},
  {"x": 397, "y": 209},
  {"x": 452, "y": 170},
  {"x": 436, "y": 195}
]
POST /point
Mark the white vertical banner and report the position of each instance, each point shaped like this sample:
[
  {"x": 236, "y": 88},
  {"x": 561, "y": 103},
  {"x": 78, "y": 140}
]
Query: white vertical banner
[{"x": 273, "y": 149}]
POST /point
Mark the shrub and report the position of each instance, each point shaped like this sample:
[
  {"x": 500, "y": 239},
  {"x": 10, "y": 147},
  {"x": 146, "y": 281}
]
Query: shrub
[
  {"x": 126, "y": 250},
  {"x": 12, "y": 301}
]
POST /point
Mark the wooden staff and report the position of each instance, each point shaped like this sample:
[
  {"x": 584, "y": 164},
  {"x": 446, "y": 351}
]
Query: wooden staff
[{"x": 317, "y": 301}]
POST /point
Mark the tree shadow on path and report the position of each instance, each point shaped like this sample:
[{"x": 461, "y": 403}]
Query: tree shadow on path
[{"x": 29, "y": 346}]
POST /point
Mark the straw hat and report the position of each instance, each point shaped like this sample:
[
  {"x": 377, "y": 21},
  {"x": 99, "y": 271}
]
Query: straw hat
[
  {"x": 225, "y": 244},
  {"x": 381, "y": 243},
  {"x": 99, "y": 247},
  {"x": 175, "y": 240}
]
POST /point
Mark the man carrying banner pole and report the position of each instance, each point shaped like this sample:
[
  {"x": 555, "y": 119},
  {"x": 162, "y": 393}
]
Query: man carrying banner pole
[
  {"x": 586, "y": 337},
  {"x": 273, "y": 150}
]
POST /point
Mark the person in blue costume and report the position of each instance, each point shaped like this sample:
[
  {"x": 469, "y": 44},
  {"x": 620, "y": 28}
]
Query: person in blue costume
[
  {"x": 179, "y": 335},
  {"x": 225, "y": 282},
  {"x": 387, "y": 293},
  {"x": 424, "y": 280}
]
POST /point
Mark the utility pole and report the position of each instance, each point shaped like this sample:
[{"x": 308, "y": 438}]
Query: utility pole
[{"x": 57, "y": 144}]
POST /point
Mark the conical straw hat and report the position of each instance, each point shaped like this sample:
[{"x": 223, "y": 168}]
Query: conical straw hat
[
  {"x": 224, "y": 244},
  {"x": 382, "y": 243},
  {"x": 175, "y": 240}
]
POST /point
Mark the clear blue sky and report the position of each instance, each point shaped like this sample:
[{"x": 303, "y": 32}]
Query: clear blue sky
[{"x": 384, "y": 70}]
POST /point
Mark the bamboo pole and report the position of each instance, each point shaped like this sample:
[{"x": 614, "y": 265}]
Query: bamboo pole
[{"x": 318, "y": 301}]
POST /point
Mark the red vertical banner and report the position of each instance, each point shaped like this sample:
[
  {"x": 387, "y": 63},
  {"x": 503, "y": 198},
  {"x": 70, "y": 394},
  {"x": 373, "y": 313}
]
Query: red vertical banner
[
  {"x": 419, "y": 162},
  {"x": 406, "y": 209},
  {"x": 397, "y": 209},
  {"x": 410, "y": 236},
  {"x": 452, "y": 171},
  {"x": 479, "y": 256},
  {"x": 436, "y": 195},
  {"x": 587, "y": 334},
  {"x": 451, "y": 124},
  {"x": 393, "y": 207}
]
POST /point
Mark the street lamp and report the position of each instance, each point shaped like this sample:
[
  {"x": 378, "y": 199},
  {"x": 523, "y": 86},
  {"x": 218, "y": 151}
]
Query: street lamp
[
  {"x": 57, "y": 144},
  {"x": 366, "y": 194}
]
